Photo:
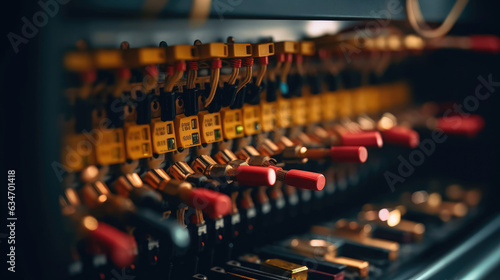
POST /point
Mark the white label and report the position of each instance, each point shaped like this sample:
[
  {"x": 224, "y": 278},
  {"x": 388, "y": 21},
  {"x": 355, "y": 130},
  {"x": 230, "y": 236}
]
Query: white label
[
  {"x": 293, "y": 199},
  {"x": 219, "y": 223},
  {"x": 202, "y": 230},
  {"x": 235, "y": 218},
  {"x": 266, "y": 208},
  {"x": 99, "y": 260},
  {"x": 280, "y": 203},
  {"x": 251, "y": 213},
  {"x": 306, "y": 195}
]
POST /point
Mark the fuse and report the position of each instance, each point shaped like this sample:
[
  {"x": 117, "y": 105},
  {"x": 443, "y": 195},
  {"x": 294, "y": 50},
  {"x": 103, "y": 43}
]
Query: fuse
[
  {"x": 213, "y": 203},
  {"x": 406, "y": 227},
  {"x": 121, "y": 248},
  {"x": 121, "y": 210},
  {"x": 318, "y": 248},
  {"x": 288, "y": 269},
  {"x": 335, "y": 153},
  {"x": 391, "y": 247},
  {"x": 297, "y": 178},
  {"x": 283, "y": 252},
  {"x": 181, "y": 171},
  {"x": 131, "y": 185},
  {"x": 235, "y": 170}
]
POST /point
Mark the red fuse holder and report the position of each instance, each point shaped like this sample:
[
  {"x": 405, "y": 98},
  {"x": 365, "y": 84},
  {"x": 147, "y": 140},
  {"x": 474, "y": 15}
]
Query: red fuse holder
[
  {"x": 401, "y": 136},
  {"x": 357, "y": 154},
  {"x": 296, "y": 178},
  {"x": 303, "y": 179},
  {"x": 349, "y": 154},
  {"x": 255, "y": 175},
  {"x": 232, "y": 168},
  {"x": 120, "y": 247},
  {"x": 458, "y": 125},
  {"x": 371, "y": 139},
  {"x": 214, "y": 204}
]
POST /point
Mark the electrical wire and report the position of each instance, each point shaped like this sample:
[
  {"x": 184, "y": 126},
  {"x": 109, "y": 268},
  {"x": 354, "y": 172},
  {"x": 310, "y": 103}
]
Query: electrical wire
[
  {"x": 192, "y": 75},
  {"x": 172, "y": 80},
  {"x": 284, "y": 72},
  {"x": 261, "y": 74},
  {"x": 236, "y": 64},
  {"x": 214, "y": 81},
  {"x": 418, "y": 23},
  {"x": 248, "y": 63}
]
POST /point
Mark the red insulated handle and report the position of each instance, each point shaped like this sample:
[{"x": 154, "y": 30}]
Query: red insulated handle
[
  {"x": 305, "y": 180},
  {"x": 485, "y": 43},
  {"x": 349, "y": 154},
  {"x": 458, "y": 125},
  {"x": 119, "y": 246},
  {"x": 255, "y": 175},
  {"x": 401, "y": 136},
  {"x": 213, "y": 203},
  {"x": 371, "y": 139}
]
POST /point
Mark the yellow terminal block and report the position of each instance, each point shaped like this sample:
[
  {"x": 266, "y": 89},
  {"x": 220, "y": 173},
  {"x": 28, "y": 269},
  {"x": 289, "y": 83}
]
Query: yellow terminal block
[
  {"x": 315, "y": 111},
  {"x": 109, "y": 59},
  {"x": 284, "y": 113},
  {"x": 145, "y": 56},
  {"x": 163, "y": 136},
  {"x": 138, "y": 141},
  {"x": 110, "y": 148},
  {"x": 359, "y": 101},
  {"x": 181, "y": 53},
  {"x": 373, "y": 102},
  {"x": 251, "y": 119},
  {"x": 299, "y": 109},
  {"x": 76, "y": 152},
  {"x": 268, "y": 119},
  {"x": 239, "y": 50},
  {"x": 263, "y": 49},
  {"x": 212, "y": 50},
  {"x": 284, "y": 268},
  {"x": 232, "y": 123},
  {"x": 329, "y": 104},
  {"x": 344, "y": 98},
  {"x": 307, "y": 48},
  {"x": 78, "y": 61},
  {"x": 211, "y": 127},
  {"x": 187, "y": 131},
  {"x": 286, "y": 47}
]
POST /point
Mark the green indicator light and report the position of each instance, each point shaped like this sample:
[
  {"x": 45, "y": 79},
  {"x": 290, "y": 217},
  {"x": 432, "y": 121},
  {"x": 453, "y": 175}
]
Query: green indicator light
[
  {"x": 196, "y": 139},
  {"x": 217, "y": 134},
  {"x": 239, "y": 129},
  {"x": 171, "y": 143}
]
